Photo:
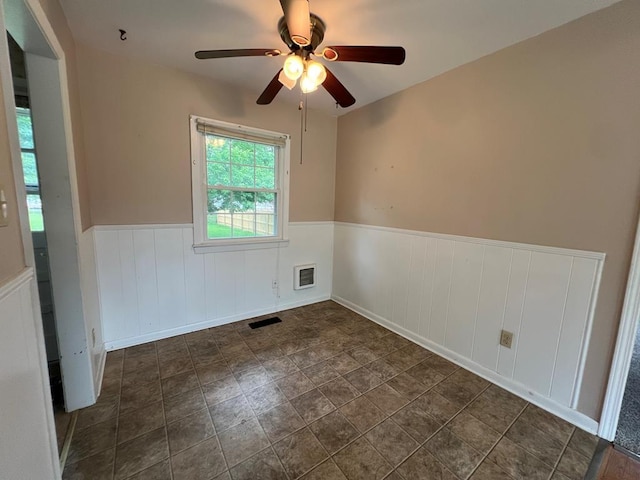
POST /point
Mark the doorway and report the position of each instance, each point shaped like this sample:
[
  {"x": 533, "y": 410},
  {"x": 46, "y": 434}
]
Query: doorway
[
  {"x": 48, "y": 101},
  {"x": 31, "y": 418},
  {"x": 37, "y": 226}
]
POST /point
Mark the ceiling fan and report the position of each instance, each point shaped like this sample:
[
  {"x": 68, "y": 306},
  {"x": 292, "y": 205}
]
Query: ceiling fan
[{"x": 303, "y": 32}]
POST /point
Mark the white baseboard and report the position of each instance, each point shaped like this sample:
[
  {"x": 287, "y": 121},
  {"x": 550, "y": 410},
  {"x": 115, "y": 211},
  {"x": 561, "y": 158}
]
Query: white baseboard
[
  {"x": 302, "y": 303},
  {"x": 151, "y": 337},
  {"x": 572, "y": 416}
]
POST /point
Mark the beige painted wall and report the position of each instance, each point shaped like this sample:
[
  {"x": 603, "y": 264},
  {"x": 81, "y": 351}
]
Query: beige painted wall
[
  {"x": 537, "y": 143},
  {"x": 58, "y": 21},
  {"x": 11, "y": 251},
  {"x": 136, "y": 126}
]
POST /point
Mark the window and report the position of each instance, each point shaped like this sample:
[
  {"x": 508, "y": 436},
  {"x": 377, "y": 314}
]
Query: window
[
  {"x": 30, "y": 169},
  {"x": 239, "y": 184}
]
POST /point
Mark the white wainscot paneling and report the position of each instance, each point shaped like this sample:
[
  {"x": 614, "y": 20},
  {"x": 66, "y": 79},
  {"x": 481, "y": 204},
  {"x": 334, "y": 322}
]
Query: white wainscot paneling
[
  {"x": 152, "y": 285},
  {"x": 28, "y": 441},
  {"x": 454, "y": 294}
]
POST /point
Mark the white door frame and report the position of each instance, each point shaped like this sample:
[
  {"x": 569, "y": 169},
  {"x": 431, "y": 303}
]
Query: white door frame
[
  {"x": 624, "y": 349},
  {"x": 47, "y": 78}
]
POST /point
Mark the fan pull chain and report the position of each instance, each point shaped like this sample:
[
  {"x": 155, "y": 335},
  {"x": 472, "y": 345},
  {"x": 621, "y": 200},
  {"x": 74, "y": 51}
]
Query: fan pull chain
[
  {"x": 301, "y": 108},
  {"x": 306, "y": 112}
]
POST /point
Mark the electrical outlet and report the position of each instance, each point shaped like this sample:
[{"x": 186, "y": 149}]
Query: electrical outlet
[
  {"x": 93, "y": 336},
  {"x": 506, "y": 338}
]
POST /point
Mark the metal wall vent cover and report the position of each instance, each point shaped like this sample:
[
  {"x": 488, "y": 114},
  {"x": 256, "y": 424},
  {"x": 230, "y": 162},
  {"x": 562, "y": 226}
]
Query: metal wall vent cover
[{"x": 304, "y": 276}]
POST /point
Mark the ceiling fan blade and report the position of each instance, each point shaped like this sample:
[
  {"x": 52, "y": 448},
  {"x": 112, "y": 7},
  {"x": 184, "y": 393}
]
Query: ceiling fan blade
[
  {"x": 365, "y": 54},
  {"x": 337, "y": 90},
  {"x": 298, "y": 18},
  {"x": 271, "y": 91},
  {"x": 241, "y": 52}
]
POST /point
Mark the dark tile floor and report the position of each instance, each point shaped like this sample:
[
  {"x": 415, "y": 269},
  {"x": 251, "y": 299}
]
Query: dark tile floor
[{"x": 326, "y": 394}]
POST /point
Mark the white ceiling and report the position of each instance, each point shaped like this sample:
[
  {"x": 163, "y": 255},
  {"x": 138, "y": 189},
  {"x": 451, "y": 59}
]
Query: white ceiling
[{"x": 438, "y": 35}]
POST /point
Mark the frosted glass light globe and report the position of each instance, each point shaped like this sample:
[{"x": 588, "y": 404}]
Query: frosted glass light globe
[
  {"x": 316, "y": 72},
  {"x": 307, "y": 84},
  {"x": 293, "y": 67}
]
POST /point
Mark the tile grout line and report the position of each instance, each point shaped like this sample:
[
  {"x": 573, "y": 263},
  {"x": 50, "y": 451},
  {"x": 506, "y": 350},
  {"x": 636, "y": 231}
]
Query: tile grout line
[
  {"x": 207, "y": 406},
  {"x": 502, "y": 435},
  {"x": 163, "y": 416},
  {"x": 444, "y": 425},
  {"x": 562, "y": 452},
  {"x": 164, "y": 412}
]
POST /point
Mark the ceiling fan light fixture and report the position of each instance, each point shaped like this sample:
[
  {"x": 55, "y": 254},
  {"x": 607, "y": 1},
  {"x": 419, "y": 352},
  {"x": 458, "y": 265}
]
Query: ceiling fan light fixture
[
  {"x": 303, "y": 32},
  {"x": 293, "y": 67},
  {"x": 307, "y": 84},
  {"x": 316, "y": 72}
]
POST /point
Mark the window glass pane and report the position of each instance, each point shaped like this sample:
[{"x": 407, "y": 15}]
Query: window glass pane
[
  {"x": 218, "y": 206},
  {"x": 266, "y": 203},
  {"x": 29, "y": 169},
  {"x": 218, "y": 173},
  {"x": 265, "y": 178},
  {"x": 244, "y": 225},
  {"x": 244, "y": 201},
  {"x": 219, "y": 225},
  {"x": 217, "y": 149},
  {"x": 265, "y": 155},
  {"x": 25, "y": 130},
  {"x": 242, "y": 152},
  {"x": 242, "y": 176},
  {"x": 240, "y": 214},
  {"x": 218, "y": 200},
  {"x": 34, "y": 206}
]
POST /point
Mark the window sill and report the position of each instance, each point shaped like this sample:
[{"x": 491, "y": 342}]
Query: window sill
[{"x": 235, "y": 246}]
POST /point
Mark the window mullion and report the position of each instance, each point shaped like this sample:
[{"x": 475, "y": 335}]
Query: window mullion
[
  {"x": 254, "y": 167},
  {"x": 230, "y": 165},
  {"x": 231, "y": 212}
]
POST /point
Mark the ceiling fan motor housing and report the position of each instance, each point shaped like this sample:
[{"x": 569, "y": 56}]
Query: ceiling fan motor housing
[{"x": 318, "y": 28}]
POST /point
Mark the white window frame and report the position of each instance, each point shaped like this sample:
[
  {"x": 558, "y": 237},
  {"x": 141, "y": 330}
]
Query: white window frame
[{"x": 203, "y": 244}]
